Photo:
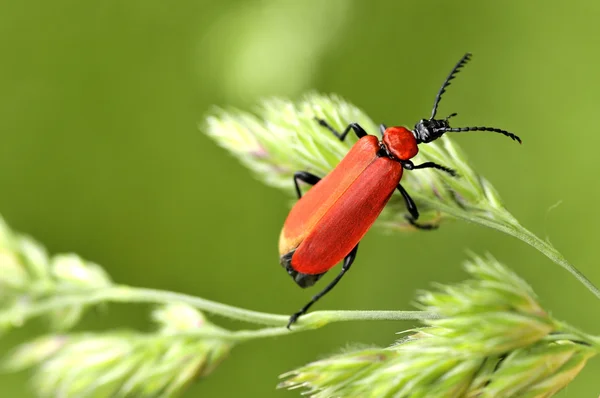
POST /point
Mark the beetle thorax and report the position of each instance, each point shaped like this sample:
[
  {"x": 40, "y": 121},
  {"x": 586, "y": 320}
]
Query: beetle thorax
[{"x": 400, "y": 143}]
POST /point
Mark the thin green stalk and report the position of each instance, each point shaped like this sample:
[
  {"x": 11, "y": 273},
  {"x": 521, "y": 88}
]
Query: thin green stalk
[
  {"x": 513, "y": 228},
  {"x": 310, "y": 321},
  {"x": 237, "y": 336},
  {"x": 127, "y": 294},
  {"x": 594, "y": 341}
]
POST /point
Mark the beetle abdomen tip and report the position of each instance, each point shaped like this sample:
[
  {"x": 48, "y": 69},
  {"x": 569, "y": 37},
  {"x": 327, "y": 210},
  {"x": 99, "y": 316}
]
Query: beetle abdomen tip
[{"x": 303, "y": 280}]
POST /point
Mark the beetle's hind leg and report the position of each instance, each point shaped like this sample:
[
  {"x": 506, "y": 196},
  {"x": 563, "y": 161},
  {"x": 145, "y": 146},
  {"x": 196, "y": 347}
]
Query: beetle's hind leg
[
  {"x": 348, "y": 260},
  {"x": 414, "y": 212}
]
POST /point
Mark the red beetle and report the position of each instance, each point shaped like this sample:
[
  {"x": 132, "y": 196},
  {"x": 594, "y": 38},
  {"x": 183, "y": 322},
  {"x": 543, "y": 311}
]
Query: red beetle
[{"x": 326, "y": 224}]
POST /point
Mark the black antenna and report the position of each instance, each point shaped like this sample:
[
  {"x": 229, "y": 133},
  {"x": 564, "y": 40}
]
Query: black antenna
[
  {"x": 463, "y": 61},
  {"x": 495, "y": 130}
]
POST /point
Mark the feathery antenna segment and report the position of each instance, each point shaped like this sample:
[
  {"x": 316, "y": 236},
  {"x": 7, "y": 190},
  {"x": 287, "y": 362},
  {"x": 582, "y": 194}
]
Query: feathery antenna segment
[{"x": 463, "y": 61}]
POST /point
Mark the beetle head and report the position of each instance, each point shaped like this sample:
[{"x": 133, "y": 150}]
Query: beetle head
[{"x": 427, "y": 130}]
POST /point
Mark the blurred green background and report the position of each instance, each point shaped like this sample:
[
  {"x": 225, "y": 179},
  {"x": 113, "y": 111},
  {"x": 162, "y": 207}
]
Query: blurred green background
[{"x": 100, "y": 152}]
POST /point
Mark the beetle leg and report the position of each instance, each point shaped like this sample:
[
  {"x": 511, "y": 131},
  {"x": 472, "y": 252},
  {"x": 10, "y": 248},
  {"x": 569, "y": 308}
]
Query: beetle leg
[
  {"x": 307, "y": 178},
  {"x": 414, "y": 212},
  {"x": 408, "y": 165},
  {"x": 358, "y": 130},
  {"x": 348, "y": 260},
  {"x": 433, "y": 165}
]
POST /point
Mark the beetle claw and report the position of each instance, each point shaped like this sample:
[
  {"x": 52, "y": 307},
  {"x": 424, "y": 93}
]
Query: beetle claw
[{"x": 293, "y": 319}]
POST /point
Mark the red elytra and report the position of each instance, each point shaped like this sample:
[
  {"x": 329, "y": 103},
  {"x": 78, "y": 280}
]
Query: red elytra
[
  {"x": 326, "y": 224},
  {"x": 342, "y": 207}
]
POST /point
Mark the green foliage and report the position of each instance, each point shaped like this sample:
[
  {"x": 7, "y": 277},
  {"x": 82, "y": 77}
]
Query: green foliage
[
  {"x": 30, "y": 276},
  {"x": 485, "y": 337},
  {"x": 494, "y": 340},
  {"x": 123, "y": 363},
  {"x": 284, "y": 137},
  {"x": 127, "y": 363}
]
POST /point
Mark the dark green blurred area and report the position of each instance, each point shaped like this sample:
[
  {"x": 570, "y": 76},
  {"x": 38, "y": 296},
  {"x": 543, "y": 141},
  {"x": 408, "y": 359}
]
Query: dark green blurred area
[{"x": 100, "y": 152}]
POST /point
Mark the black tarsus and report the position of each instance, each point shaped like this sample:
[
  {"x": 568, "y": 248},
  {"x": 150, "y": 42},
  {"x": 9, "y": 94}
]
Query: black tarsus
[
  {"x": 306, "y": 177},
  {"x": 463, "y": 61},
  {"x": 358, "y": 130},
  {"x": 492, "y": 129},
  {"x": 382, "y": 128},
  {"x": 414, "y": 212},
  {"x": 348, "y": 260}
]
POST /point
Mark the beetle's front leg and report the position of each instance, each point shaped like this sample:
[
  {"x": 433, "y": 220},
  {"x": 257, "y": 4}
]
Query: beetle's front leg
[
  {"x": 408, "y": 165},
  {"x": 358, "y": 130}
]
